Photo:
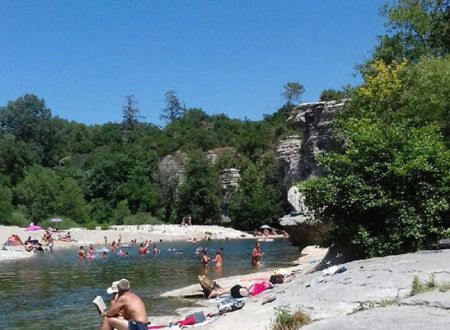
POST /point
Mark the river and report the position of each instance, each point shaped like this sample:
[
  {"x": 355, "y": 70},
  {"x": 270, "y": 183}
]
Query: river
[{"x": 54, "y": 291}]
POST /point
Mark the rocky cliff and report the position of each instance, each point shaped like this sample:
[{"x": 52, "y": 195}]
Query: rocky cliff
[{"x": 297, "y": 161}]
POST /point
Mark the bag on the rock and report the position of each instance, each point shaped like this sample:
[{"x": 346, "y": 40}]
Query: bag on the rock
[{"x": 230, "y": 304}]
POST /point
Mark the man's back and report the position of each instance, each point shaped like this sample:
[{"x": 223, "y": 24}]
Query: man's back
[{"x": 133, "y": 307}]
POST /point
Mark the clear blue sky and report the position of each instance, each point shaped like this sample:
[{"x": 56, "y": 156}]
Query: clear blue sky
[{"x": 228, "y": 56}]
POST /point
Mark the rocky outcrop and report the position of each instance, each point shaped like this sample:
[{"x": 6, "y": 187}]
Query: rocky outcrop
[
  {"x": 289, "y": 158},
  {"x": 304, "y": 230},
  {"x": 297, "y": 156},
  {"x": 229, "y": 179},
  {"x": 171, "y": 169},
  {"x": 214, "y": 154}
]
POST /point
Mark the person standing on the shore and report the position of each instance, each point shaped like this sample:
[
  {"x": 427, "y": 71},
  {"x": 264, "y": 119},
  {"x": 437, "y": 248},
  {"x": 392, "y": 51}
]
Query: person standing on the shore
[
  {"x": 127, "y": 304},
  {"x": 256, "y": 255}
]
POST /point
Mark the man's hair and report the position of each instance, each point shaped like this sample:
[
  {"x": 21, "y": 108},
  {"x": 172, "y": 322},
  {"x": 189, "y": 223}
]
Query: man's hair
[{"x": 124, "y": 285}]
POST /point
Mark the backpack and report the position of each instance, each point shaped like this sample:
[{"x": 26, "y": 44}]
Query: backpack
[{"x": 230, "y": 304}]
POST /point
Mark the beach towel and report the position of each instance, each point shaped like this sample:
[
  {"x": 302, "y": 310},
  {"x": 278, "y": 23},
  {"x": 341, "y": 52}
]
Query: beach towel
[{"x": 257, "y": 288}]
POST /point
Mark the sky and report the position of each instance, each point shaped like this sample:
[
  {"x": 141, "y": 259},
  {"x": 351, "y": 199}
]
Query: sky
[{"x": 230, "y": 56}]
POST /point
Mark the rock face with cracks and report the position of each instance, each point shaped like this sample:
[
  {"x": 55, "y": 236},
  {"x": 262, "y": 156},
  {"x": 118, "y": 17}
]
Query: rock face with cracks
[{"x": 297, "y": 159}]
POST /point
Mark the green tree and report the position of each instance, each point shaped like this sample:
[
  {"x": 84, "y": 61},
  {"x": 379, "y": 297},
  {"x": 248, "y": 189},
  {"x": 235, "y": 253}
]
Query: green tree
[
  {"x": 70, "y": 201},
  {"x": 292, "y": 91},
  {"x": 121, "y": 212},
  {"x": 249, "y": 207},
  {"x": 199, "y": 195},
  {"x": 331, "y": 95},
  {"x": 15, "y": 156},
  {"x": 387, "y": 193},
  {"x": 131, "y": 116},
  {"x": 38, "y": 192},
  {"x": 6, "y": 208},
  {"x": 417, "y": 28},
  {"x": 29, "y": 120},
  {"x": 174, "y": 107}
]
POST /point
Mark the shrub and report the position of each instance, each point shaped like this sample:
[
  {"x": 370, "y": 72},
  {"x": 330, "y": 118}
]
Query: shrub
[
  {"x": 285, "y": 320},
  {"x": 141, "y": 218}
]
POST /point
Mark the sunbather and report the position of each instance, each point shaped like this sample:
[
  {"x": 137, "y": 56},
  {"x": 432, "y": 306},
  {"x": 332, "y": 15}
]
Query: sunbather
[{"x": 212, "y": 289}]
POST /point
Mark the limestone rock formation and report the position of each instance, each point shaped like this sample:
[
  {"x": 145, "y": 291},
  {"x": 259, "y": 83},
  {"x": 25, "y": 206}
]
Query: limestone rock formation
[
  {"x": 289, "y": 158},
  {"x": 297, "y": 161},
  {"x": 229, "y": 179},
  {"x": 171, "y": 168}
]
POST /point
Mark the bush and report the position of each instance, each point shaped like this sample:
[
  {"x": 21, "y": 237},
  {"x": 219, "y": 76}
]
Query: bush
[
  {"x": 285, "y": 320},
  {"x": 19, "y": 219},
  {"x": 141, "y": 218}
]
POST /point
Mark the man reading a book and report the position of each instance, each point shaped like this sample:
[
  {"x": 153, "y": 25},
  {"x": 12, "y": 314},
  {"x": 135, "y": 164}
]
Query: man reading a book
[{"x": 127, "y": 304}]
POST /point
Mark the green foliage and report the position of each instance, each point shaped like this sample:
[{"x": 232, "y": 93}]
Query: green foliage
[
  {"x": 141, "y": 218},
  {"x": 121, "y": 212},
  {"x": 292, "y": 91},
  {"x": 19, "y": 219},
  {"x": 70, "y": 201},
  {"x": 418, "y": 28},
  {"x": 286, "y": 320},
  {"x": 387, "y": 192},
  {"x": 174, "y": 107},
  {"x": 419, "y": 287},
  {"x": 29, "y": 120},
  {"x": 331, "y": 95},
  {"x": 38, "y": 192},
  {"x": 199, "y": 195},
  {"x": 258, "y": 198},
  {"x": 6, "y": 208}
]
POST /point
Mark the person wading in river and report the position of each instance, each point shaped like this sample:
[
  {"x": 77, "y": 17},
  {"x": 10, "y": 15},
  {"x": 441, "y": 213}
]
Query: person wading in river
[
  {"x": 256, "y": 255},
  {"x": 127, "y": 304}
]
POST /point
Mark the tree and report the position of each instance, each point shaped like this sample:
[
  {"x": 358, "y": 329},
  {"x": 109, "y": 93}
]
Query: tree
[
  {"x": 15, "y": 156},
  {"x": 121, "y": 212},
  {"x": 331, "y": 95},
  {"x": 199, "y": 195},
  {"x": 6, "y": 208},
  {"x": 292, "y": 91},
  {"x": 174, "y": 107},
  {"x": 387, "y": 193},
  {"x": 70, "y": 201},
  {"x": 29, "y": 120},
  {"x": 38, "y": 192},
  {"x": 130, "y": 115},
  {"x": 248, "y": 205},
  {"x": 417, "y": 28}
]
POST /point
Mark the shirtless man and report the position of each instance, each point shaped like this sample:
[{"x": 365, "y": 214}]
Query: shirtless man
[
  {"x": 126, "y": 304},
  {"x": 256, "y": 255}
]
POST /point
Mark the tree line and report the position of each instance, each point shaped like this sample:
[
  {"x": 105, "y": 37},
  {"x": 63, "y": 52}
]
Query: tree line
[{"x": 93, "y": 175}]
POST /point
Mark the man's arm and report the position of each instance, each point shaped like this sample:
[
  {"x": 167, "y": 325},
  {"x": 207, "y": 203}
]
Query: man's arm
[{"x": 116, "y": 307}]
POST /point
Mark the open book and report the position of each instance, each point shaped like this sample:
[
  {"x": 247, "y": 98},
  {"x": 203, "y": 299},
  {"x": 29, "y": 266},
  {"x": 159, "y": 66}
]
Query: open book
[{"x": 100, "y": 304}]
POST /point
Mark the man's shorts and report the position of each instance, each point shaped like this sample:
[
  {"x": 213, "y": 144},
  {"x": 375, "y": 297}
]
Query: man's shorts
[{"x": 136, "y": 325}]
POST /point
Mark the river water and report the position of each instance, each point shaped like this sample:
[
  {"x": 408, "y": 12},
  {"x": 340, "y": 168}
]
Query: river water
[{"x": 54, "y": 291}]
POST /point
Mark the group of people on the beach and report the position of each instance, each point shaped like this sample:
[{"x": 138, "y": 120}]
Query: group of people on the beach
[{"x": 33, "y": 245}]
